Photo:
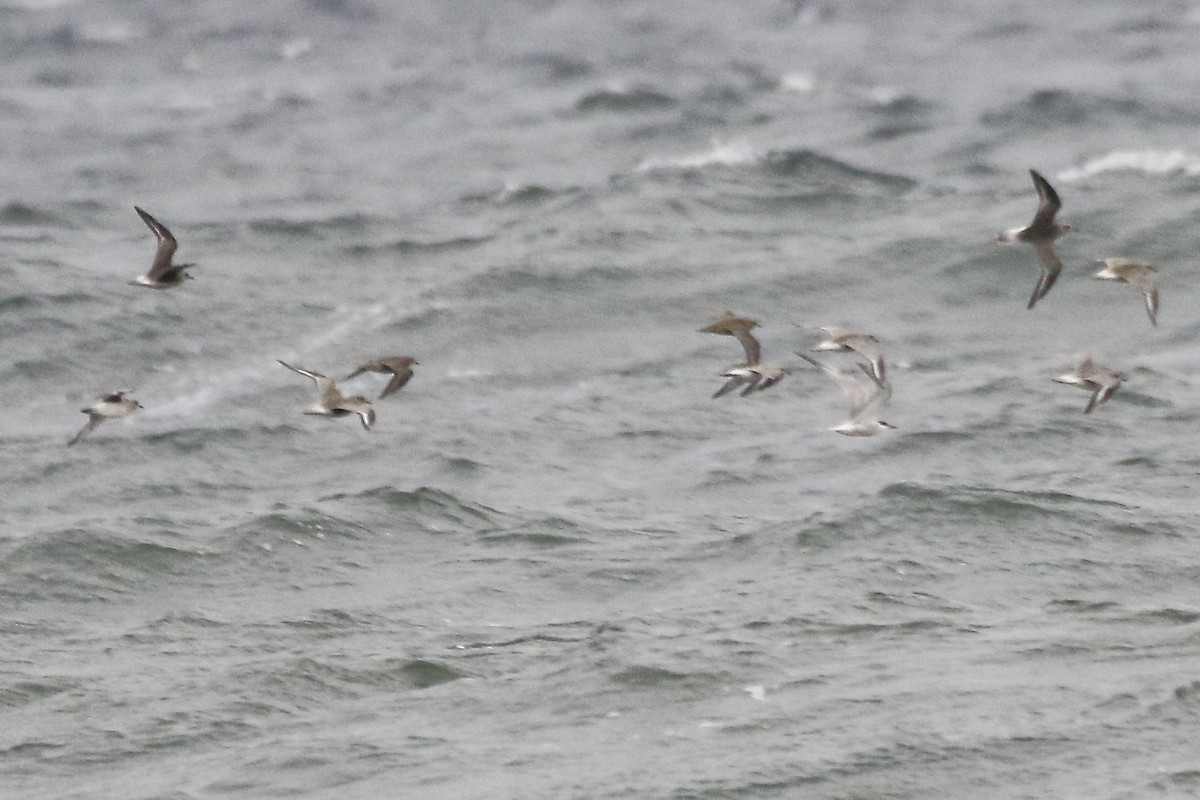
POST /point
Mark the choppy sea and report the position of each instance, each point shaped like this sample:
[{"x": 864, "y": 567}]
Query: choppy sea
[{"x": 556, "y": 568}]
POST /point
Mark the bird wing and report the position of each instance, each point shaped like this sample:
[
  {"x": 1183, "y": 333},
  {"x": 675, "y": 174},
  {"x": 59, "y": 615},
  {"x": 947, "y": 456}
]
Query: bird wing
[
  {"x": 749, "y": 344},
  {"x": 1048, "y": 202},
  {"x": 166, "y": 245},
  {"x": 399, "y": 378},
  {"x": 325, "y": 386},
  {"x": 93, "y": 421},
  {"x": 1151, "y": 294},
  {"x": 1102, "y": 391},
  {"x": 869, "y": 348},
  {"x": 1051, "y": 267},
  {"x": 855, "y": 391}
]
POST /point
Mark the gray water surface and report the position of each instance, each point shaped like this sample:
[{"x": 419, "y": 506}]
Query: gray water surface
[{"x": 556, "y": 568}]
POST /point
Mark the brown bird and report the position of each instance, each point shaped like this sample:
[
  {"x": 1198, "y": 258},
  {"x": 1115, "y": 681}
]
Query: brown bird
[
  {"x": 399, "y": 367},
  {"x": 1041, "y": 233},
  {"x": 1101, "y": 382},
  {"x": 1135, "y": 274},
  {"x": 753, "y": 374}
]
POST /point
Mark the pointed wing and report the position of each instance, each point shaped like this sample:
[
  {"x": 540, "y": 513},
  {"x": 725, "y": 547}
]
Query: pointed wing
[
  {"x": 1151, "y": 295},
  {"x": 1100, "y": 393},
  {"x": 753, "y": 381},
  {"x": 325, "y": 387},
  {"x": 1051, "y": 267},
  {"x": 357, "y": 405},
  {"x": 736, "y": 377},
  {"x": 732, "y": 325},
  {"x": 166, "y": 245},
  {"x": 855, "y": 391},
  {"x": 94, "y": 420},
  {"x": 749, "y": 344},
  {"x": 869, "y": 348},
  {"x": 1048, "y": 202},
  {"x": 399, "y": 379}
]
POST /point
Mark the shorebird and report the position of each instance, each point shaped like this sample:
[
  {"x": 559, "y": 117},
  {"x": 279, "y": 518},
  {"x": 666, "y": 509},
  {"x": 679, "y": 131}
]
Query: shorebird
[
  {"x": 399, "y": 367},
  {"x": 1041, "y": 233},
  {"x": 753, "y": 375},
  {"x": 1101, "y": 382},
  {"x": 331, "y": 402},
  {"x": 110, "y": 406},
  {"x": 162, "y": 274},
  {"x": 1135, "y": 274},
  {"x": 866, "y": 397},
  {"x": 844, "y": 339}
]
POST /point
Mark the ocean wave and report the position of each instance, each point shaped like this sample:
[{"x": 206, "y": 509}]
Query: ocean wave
[
  {"x": 979, "y": 510},
  {"x": 625, "y": 98},
  {"x": 310, "y": 228},
  {"x": 310, "y": 683},
  {"x": 1047, "y": 108},
  {"x": 409, "y": 245},
  {"x": 86, "y": 565},
  {"x": 426, "y": 508},
  {"x": 17, "y": 213},
  {"x": 551, "y": 278},
  {"x": 1148, "y": 162},
  {"x": 516, "y": 193},
  {"x": 545, "y": 532},
  {"x": 793, "y": 163},
  {"x": 719, "y": 154}
]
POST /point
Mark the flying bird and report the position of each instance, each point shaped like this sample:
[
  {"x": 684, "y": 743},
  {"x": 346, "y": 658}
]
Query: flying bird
[
  {"x": 163, "y": 273},
  {"x": 1101, "y": 382},
  {"x": 753, "y": 374},
  {"x": 111, "y": 406},
  {"x": 1135, "y": 274},
  {"x": 331, "y": 402},
  {"x": 399, "y": 367},
  {"x": 1041, "y": 233},
  {"x": 844, "y": 339},
  {"x": 866, "y": 398}
]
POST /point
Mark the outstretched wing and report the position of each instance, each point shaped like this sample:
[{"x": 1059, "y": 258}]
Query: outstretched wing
[
  {"x": 166, "y": 245},
  {"x": 325, "y": 387},
  {"x": 1051, "y": 267},
  {"x": 399, "y": 379},
  {"x": 1048, "y": 202}
]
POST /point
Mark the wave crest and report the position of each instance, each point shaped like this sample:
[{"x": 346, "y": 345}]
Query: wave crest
[{"x": 1149, "y": 162}]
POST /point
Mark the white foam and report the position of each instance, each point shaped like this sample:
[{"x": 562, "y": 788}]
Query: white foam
[
  {"x": 1151, "y": 162},
  {"x": 720, "y": 154},
  {"x": 799, "y": 82},
  {"x": 294, "y": 48}
]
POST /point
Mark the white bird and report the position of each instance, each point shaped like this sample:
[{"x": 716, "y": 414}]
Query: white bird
[
  {"x": 162, "y": 274},
  {"x": 111, "y": 406},
  {"x": 331, "y": 402},
  {"x": 1135, "y": 274},
  {"x": 866, "y": 398},
  {"x": 1101, "y": 382},
  {"x": 844, "y": 339},
  {"x": 1041, "y": 233}
]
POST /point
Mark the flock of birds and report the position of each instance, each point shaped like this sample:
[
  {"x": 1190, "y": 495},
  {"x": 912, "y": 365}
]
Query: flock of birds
[
  {"x": 866, "y": 394},
  {"x": 164, "y": 274},
  {"x": 867, "y": 397}
]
